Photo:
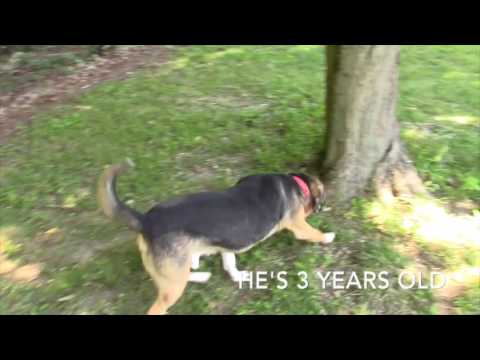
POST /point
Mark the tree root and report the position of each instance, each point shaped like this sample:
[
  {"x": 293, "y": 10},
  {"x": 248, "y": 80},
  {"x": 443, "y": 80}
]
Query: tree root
[{"x": 396, "y": 176}]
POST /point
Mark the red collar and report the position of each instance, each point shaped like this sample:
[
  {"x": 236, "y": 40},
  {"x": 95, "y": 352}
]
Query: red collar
[{"x": 303, "y": 186}]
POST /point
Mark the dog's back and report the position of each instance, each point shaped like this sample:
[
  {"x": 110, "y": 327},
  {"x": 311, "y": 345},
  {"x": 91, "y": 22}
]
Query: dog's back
[{"x": 234, "y": 219}]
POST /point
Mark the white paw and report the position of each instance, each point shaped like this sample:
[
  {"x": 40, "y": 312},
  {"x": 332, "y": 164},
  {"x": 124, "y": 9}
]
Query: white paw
[
  {"x": 199, "y": 277},
  {"x": 329, "y": 237},
  {"x": 238, "y": 276},
  {"x": 195, "y": 262}
]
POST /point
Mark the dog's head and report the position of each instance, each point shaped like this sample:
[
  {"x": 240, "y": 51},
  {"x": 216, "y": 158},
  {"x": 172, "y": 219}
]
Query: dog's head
[{"x": 317, "y": 191}]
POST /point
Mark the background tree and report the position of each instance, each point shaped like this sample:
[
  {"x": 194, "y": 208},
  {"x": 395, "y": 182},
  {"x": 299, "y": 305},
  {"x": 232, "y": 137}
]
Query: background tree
[{"x": 363, "y": 143}]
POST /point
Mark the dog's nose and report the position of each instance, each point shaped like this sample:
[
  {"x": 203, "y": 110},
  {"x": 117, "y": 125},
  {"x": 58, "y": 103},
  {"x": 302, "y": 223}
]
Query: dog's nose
[{"x": 321, "y": 203}]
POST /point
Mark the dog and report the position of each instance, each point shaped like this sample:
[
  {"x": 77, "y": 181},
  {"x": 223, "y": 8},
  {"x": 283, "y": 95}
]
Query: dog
[{"x": 173, "y": 235}]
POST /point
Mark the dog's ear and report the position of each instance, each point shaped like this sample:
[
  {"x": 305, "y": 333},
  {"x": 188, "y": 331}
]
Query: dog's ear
[
  {"x": 314, "y": 184},
  {"x": 318, "y": 192},
  {"x": 316, "y": 187}
]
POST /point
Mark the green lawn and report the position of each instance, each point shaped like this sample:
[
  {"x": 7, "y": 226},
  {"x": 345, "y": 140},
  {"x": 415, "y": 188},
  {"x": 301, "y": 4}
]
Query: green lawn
[{"x": 208, "y": 117}]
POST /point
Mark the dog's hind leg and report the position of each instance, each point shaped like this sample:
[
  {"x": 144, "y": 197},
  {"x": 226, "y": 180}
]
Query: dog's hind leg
[
  {"x": 167, "y": 297},
  {"x": 171, "y": 279},
  {"x": 230, "y": 266},
  {"x": 170, "y": 276}
]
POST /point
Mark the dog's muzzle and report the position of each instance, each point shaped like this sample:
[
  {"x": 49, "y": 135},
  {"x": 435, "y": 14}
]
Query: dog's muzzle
[
  {"x": 320, "y": 203},
  {"x": 319, "y": 206}
]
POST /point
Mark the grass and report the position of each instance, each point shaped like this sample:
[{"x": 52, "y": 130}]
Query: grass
[
  {"x": 211, "y": 115},
  {"x": 440, "y": 109},
  {"x": 469, "y": 303}
]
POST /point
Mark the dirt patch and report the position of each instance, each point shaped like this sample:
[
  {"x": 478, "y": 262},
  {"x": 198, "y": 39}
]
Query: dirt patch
[
  {"x": 197, "y": 167},
  {"x": 458, "y": 282},
  {"x": 19, "y": 274},
  {"x": 64, "y": 246},
  {"x": 18, "y": 106},
  {"x": 229, "y": 101},
  {"x": 464, "y": 207}
]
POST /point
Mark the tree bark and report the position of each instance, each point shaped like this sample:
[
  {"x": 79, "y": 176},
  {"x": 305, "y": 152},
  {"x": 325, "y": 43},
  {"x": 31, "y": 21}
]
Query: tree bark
[{"x": 363, "y": 143}]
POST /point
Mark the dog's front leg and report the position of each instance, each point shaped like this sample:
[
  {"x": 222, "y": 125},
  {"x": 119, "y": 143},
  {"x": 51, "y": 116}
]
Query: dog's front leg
[
  {"x": 303, "y": 231},
  {"x": 230, "y": 266}
]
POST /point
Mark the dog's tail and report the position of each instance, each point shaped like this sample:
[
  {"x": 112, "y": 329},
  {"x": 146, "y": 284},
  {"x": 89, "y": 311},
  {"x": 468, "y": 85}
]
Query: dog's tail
[{"x": 109, "y": 202}]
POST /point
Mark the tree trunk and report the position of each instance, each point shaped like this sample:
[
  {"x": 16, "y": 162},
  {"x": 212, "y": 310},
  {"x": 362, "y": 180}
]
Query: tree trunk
[{"x": 363, "y": 135}]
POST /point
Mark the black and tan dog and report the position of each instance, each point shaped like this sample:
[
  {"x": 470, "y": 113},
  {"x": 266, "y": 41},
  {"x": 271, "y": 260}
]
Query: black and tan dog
[{"x": 173, "y": 235}]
